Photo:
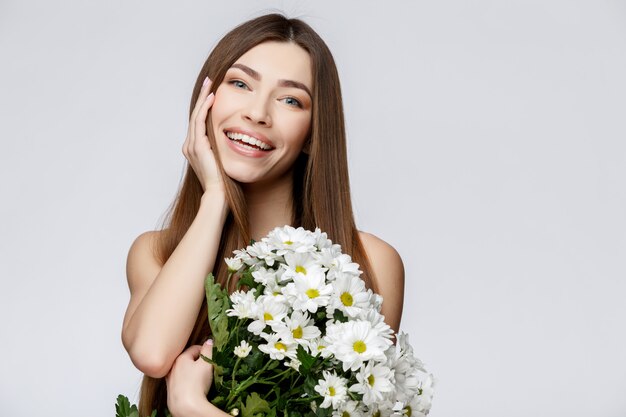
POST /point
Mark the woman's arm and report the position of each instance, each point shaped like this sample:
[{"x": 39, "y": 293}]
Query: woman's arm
[
  {"x": 389, "y": 274},
  {"x": 165, "y": 299}
]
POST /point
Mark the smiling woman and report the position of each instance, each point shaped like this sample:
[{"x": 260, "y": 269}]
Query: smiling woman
[{"x": 266, "y": 147}]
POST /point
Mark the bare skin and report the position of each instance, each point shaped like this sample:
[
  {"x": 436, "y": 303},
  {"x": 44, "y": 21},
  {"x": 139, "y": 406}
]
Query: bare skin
[{"x": 155, "y": 336}]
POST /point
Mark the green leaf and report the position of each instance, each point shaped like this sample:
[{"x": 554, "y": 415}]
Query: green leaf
[
  {"x": 306, "y": 360},
  {"x": 254, "y": 405},
  {"x": 124, "y": 409},
  {"x": 217, "y": 304}
]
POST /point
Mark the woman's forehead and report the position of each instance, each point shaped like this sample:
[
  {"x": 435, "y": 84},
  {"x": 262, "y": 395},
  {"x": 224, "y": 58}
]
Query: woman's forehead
[{"x": 279, "y": 61}]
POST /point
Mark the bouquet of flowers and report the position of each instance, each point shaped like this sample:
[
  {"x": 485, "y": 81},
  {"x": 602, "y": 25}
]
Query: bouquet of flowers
[{"x": 302, "y": 336}]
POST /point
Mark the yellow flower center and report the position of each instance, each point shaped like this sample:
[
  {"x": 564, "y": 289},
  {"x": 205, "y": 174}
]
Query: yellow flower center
[
  {"x": 312, "y": 293},
  {"x": 376, "y": 414},
  {"x": 346, "y": 299},
  {"x": 345, "y": 414},
  {"x": 267, "y": 317},
  {"x": 359, "y": 346},
  {"x": 370, "y": 380},
  {"x": 331, "y": 391},
  {"x": 320, "y": 347},
  {"x": 408, "y": 411},
  {"x": 300, "y": 269},
  {"x": 297, "y": 333},
  {"x": 280, "y": 346},
  {"x": 288, "y": 242}
]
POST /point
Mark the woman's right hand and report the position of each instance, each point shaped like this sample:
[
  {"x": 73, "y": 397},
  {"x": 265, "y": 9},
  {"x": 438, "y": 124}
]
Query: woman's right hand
[{"x": 197, "y": 148}]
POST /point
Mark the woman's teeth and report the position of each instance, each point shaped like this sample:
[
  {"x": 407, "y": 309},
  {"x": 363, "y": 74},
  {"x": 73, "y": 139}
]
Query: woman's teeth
[{"x": 256, "y": 144}]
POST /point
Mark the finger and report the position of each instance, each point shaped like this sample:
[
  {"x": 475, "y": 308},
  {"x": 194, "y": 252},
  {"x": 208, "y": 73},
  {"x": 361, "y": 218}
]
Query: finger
[
  {"x": 192, "y": 352},
  {"x": 200, "y": 121},
  {"x": 204, "y": 92},
  {"x": 207, "y": 350}
]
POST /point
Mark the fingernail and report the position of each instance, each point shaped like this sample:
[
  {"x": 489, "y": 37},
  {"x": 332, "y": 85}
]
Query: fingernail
[
  {"x": 209, "y": 96},
  {"x": 206, "y": 81},
  {"x": 209, "y": 342}
]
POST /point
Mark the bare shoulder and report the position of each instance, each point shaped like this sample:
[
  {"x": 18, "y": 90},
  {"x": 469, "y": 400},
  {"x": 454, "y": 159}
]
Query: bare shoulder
[
  {"x": 380, "y": 252},
  {"x": 389, "y": 276},
  {"x": 142, "y": 264}
]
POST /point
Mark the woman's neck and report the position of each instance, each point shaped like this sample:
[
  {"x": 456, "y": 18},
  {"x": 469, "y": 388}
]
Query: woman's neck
[{"x": 269, "y": 205}]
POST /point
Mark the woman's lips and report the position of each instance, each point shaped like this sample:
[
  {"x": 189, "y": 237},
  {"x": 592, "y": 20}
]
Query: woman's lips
[{"x": 244, "y": 149}]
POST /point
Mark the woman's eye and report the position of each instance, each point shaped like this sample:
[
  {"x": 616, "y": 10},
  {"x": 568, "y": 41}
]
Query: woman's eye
[
  {"x": 238, "y": 83},
  {"x": 293, "y": 102}
]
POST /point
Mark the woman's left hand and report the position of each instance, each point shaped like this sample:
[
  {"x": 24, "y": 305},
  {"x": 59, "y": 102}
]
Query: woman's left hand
[{"x": 189, "y": 380}]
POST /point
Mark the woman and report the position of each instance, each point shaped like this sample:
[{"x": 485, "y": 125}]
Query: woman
[{"x": 266, "y": 147}]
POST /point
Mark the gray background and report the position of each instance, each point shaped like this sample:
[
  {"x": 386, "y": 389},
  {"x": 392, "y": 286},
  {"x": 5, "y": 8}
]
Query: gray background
[{"x": 486, "y": 143}]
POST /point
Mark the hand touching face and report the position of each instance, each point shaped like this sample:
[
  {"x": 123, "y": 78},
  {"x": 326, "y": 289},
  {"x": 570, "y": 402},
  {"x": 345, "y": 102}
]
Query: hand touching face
[{"x": 261, "y": 115}]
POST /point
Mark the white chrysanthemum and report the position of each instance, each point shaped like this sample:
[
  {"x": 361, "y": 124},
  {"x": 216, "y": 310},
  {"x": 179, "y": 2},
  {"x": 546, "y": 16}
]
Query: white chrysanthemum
[
  {"x": 419, "y": 405},
  {"x": 317, "y": 346},
  {"x": 349, "y": 409},
  {"x": 293, "y": 363},
  {"x": 349, "y": 296},
  {"x": 234, "y": 264},
  {"x": 378, "y": 322},
  {"x": 261, "y": 252},
  {"x": 264, "y": 276},
  {"x": 406, "y": 367},
  {"x": 373, "y": 380},
  {"x": 288, "y": 239},
  {"x": 298, "y": 328},
  {"x": 244, "y": 304},
  {"x": 321, "y": 239},
  {"x": 274, "y": 290},
  {"x": 342, "y": 265},
  {"x": 268, "y": 312},
  {"x": 333, "y": 389},
  {"x": 277, "y": 348},
  {"x": 308, "y": 293},
  {"x": 355, "y": 342},
  {"x": 243, "y": 350},
  {"x": 381, "y": 409},
  {"x": 300, "y": 264}
]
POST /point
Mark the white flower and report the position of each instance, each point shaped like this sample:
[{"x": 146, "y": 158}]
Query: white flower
[
  {"x": 378, "y": 322},
  {"x": 277, "y": 348},
  {"x": 294, "y": 363},
  {"x": 268, "y": 312},
  {"x": 373, "y": 380},
  {"x": 288, "y": 239},
  {"x": 317, "y": 346},
  {"x": 332, "y": 388},
  {"x": 244, "y": 305},
  {"x": 321, "y": 239},
  {"x": 355, "y": 342},
  {"x": 349, "y": 409},
  {"x": 264, "y": 276},
  {"x": 349, "y": 296},
  {"x": 308, "y": 293},
  {"x": 234, "y": 264},
  {"x": 298, "y": 328},
  {"x": 243, "y": 349},
  {"x": 274, "y": 290},
  {"x": 419, "y": 405},
  {"x": 300, "y": 264},
  {"x": 261, "y": 252}
]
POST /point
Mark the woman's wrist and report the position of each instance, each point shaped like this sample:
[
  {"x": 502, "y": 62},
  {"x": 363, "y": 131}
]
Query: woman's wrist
[{"x": 215, "y": 198}]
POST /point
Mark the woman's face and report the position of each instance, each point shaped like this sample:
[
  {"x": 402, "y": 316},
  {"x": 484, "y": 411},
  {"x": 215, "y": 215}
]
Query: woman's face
[{"x": 266, "y": 97}]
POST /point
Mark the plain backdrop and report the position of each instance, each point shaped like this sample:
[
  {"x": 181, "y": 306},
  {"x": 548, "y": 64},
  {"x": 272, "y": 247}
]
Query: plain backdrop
[{"x": 486, "y": 144}]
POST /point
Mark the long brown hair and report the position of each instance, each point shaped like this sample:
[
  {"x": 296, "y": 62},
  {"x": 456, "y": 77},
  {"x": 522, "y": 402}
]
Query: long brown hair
[{"x": 321, "y": 187}]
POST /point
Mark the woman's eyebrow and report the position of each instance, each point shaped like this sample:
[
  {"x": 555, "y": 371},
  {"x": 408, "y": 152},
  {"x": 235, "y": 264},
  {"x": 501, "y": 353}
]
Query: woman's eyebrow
[{"x": 283, "y": 83}]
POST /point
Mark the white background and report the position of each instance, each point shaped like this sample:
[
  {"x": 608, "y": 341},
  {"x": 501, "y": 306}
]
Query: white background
[{"x": 487, "y": 145}]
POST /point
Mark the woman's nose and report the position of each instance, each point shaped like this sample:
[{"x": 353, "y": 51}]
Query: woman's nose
[{"x": 257, "y": 112}]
